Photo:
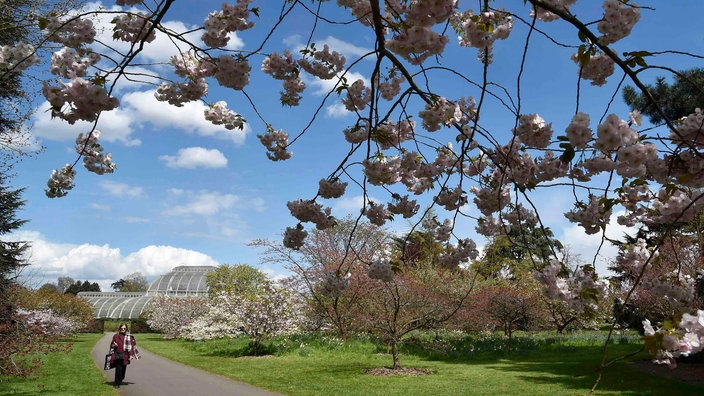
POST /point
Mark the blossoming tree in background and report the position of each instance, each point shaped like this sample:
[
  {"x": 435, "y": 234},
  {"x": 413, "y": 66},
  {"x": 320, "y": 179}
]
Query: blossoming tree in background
[{"x": 414, "y": 137}]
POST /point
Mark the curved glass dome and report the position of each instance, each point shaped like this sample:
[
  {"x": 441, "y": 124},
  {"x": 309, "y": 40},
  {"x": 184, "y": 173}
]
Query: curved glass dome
[
  {"x": 182, "y": 281},
  {"x": 117, "y": 305}
]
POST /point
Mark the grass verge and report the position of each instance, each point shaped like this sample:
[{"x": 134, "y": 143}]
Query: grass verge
[
  {"x": 72, "y": 374},
  {"x": 461, "y": 365}
]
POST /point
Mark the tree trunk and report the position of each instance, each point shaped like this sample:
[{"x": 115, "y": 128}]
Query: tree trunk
[{"x": 394, "y": 353}]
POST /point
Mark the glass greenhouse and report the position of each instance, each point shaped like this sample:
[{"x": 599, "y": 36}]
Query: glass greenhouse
[{"x": 182, "y": 281}]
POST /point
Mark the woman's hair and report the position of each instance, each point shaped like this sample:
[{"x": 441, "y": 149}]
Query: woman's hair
[{"x": 121, "y": 325}]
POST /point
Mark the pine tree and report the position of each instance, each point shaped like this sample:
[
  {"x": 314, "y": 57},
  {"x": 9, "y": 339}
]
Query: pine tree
[{"x": 675, "y": 101}]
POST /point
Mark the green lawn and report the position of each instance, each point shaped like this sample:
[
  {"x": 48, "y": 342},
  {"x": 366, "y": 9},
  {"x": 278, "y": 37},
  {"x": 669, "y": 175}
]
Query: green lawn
[
  {"x": 72, "y": 374},
  {"x": 538, "y": 364},
  {"x": 465, "y": 366}
]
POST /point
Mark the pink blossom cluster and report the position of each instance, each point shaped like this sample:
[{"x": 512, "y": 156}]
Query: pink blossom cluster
[
  {"x": 491, "y": 199},
  {"x": 60, "y": 182},
  {"x": 635, "y": 256},
  {"x": 334, "y": 284},
  {"x": 377, "y": 214},
  {"x": 549, "y": 167},
  {"x": 171, "y": 315},
  {"x": 325, "y": 64},
  {"x": 94, "y": 160},
  {"x": 276, "y": 143},
  {"x": 669, "y": 342},
  {"x": 415, "y": 40},
  {"x": 311, "y": 211},
  {"x": 677, "y": 205},
  {"x": 178, "y": 93},
  {"x": 333, "y": 188},
  {"x": 547, "y": 16},
  {"x": 294, "y": 238},
  {"x": 690, "y": 130},
  {"x": 286, "y": 69},
  {"x": 358, "y": 133},
  {"x": 633, "y": 160},
  {"x": 361, "y": 9},
  {"x": 78, "y": 99},
  {"x": 389, "y": 134},
  {"x": 592, "y": 216},
  {"x": 440, "y": 112},
  {"x": 72, "y": 33},
  {"x": 581, "y": 291},
  {"x": 459, "y": 253},
  {"x": 219, "y": 24},
  {"x": 675, "y": 288},
  {"x": 382, "y": 170},
  {"x": 219, "y": 114},
  {"x": 133, "y": 28},
  {"x": 391, "y": 86},
  {"x": 614, "y": 133},
  {"x": 417, "y": 43},
  {"x": 597, "y": 70},
  {"x": 403, "y": 206},
  {"x": 482, "y": 30},
  {"x": 49, "y": 322},
  {"x": 358, "y": 96},
  {"x": 67, "y": 63},
  {"x": 578, "y": 132},
  {"x": 533, "y": 131},
  {"x": 618, "y": 21},
  {"x": 381, "y": 270},
  {"x": 232, "y": 72},
  {"x": 17, "y": 57},
  {"x": 451, "y": 199},
  {"x": 440, "y": 231}
]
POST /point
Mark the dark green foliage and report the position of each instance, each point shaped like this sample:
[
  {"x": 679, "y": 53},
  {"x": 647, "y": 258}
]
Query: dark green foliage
[
  {"x": 11, "y": 252},
  {"x": 674, "y": 101},
  {"x": 79, "y": 286}
]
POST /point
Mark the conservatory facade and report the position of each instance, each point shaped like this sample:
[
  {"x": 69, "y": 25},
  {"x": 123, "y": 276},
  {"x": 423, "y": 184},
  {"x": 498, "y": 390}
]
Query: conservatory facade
[{"x": 181, "y": 281}]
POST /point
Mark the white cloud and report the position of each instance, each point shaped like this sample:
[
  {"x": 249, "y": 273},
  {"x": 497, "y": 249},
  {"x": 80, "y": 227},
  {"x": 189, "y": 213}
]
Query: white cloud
[
  {"x": 115, "y": 126},
  {"x": 586, "y": 246},
  {"x": 204, "y": 203},
  {"x": 195, "y": 157},
  {"x": 337, "y": 110},
  {"x": 100, "y": 263},
  {"x": 188, "y": 118},
  {"x": 122, "y": 189}
]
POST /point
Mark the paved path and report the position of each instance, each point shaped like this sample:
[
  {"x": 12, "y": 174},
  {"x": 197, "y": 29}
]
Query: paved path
[{"x": 153, "y": 375}]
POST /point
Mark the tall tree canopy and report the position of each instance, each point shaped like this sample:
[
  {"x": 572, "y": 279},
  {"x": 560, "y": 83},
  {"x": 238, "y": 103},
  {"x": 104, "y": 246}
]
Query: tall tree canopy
[{"x": 674, "y": 100}]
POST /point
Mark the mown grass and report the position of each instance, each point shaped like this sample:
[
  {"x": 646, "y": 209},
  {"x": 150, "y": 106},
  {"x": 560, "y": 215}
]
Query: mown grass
[
  {"x": 63, "y": 374},
  {"x": 537, "y": 364}
]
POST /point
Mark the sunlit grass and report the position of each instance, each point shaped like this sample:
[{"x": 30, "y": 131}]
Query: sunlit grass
[
  {"x": 537, "y": 364},
  {"x": 69, "y": 374}
]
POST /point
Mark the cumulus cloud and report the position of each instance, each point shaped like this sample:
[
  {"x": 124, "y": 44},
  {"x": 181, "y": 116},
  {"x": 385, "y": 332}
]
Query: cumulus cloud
[
  {"x": 204, "y": 203},
  {"x": 100, "y": 263},
  {"x": 122, "y": 189},
  {"x": 586, "y": 246},
  {"x": 195, "y": 157}
]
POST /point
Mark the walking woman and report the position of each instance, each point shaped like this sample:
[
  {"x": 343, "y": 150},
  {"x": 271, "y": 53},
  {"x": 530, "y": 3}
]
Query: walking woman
[{"x": 123, "y": 350}]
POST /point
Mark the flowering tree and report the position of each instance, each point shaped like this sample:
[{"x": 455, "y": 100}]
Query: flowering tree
[
  {"x": 268, "y": 312},
  {"x": 170, "y": 315},
  {"x": 404, "y": 115},
  {"x": 40, "y": 319},
  {"x": 330, "y": 270},
  {"x": 421, "y": 297}
]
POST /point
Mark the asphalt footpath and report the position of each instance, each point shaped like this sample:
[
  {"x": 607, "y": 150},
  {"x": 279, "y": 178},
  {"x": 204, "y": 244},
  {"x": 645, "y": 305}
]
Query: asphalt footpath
[{"x": 153, "y": 375}]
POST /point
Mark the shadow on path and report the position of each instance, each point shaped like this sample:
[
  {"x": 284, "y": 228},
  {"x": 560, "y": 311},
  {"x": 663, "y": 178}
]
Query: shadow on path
[{"x": 153, "y": 375}]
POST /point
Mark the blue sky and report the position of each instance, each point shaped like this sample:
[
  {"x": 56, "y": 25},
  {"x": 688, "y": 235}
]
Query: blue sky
[{"x": 189, "y": 193}]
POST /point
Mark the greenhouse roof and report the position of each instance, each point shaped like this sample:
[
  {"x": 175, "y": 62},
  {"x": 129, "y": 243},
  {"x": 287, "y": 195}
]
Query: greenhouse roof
[{"x": 182, "y": 281}]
